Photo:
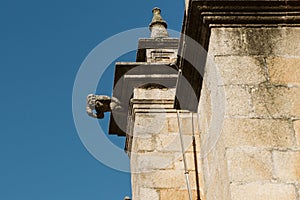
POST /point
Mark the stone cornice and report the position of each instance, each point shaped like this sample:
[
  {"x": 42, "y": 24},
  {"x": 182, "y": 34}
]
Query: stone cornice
[
  {"x": 204, "y": 14},
  {"x": 249, "y": 12},
  {"x": 154, "y": 43},
  {"x": 130, "y": 75}
]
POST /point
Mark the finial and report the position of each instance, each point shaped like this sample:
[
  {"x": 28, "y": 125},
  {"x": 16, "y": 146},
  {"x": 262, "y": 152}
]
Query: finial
[{"x": 158, "y": 26}]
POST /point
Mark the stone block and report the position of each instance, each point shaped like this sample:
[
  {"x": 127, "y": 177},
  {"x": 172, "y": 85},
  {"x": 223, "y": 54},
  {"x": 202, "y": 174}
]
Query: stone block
[
  {"x": 226, "y": 41},
  {"x": 245, "y": 165},
  {"x": 241, "y": 69},
  {"x": 297, "y": 131},
  {"x": 215, "y": 172},
  {"x": 217, "y": 184},
  {"x": 148, "y": 194},
  {"x": 144, "y": 144},
  {"x": 149, "y": 124},
  {"x": 241, "y": 132},
  {"x": 287, "y": 165},
  {"x": 289, "y": 45},
  {"x": 284, "y": 70},
  {"x": 154, "y": 93},
  {"x": 172, "y": 124},
  {"x": 205, "y": 108},
  {"x": 163, "y": 179},
  {"x": 166, "y": 178},
  {"x": 263, "y": 191},
  {"x": 171, "y": 142},
  {"x": 187, "y": 126},
  {"x": 238, "y": 101},
  {"x": 255, "y": 41},
  {"x": 262, "y": 41},
  {"x": 172, "y": 194},
  {"x": 150, "y": 161},
  {"x": 190, "y": 161},
  {"x": 276, "y": 101}
]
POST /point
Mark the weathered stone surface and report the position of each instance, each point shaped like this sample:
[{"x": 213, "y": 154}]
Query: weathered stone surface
[
  {"x": 254, "y": 41},
  {"x": 169, "y": 178},
  {"x": 241, "y": 69},
  {"x": 288, "y": 46},
  {"x": 262, "y": 41},
  {"x": 205, "y": 108},
  {"x": 187, "y": 126},
  {"x": 148, "y": 194},
  {"x": 163, "y": 179},
  {"x": 226, "y": 41},
  {"x": 154, "y": 93},
  {"x": 148, "y": 124},
  {"x": 263, "y": 191},
  {"x": 284, "y": 70},
  {"x": 287, "y": 166},
  {"x": 217, "y": 189},
  {"x": 297, "y": 131},
  {"x": 145, "y": 144},
  {"x": 246, "y": 164},
  {"x": 249, "y": 46},
  {"x": 171, "y": 142},
  {"x": 158, "y": 26},
  {"x": 215, "y": 172},
  {"x": 135, "y": 188},
  {"x": 276, "y": 101},
  {"x": 190, "y": 161},
  {"x": 149, "y": 161},
  {"x": 241, "y": 132},
  {"x": 176, "y": 194},
  {"x": 238, "y": 101}
]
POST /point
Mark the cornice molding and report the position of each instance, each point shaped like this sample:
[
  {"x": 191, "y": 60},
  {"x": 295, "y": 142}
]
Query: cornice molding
[{"x": 202, "y": 15}]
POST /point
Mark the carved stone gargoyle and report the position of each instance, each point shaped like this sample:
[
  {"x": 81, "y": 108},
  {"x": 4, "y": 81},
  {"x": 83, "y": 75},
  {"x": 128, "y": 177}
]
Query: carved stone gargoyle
[{"x": 101, "y": 104}]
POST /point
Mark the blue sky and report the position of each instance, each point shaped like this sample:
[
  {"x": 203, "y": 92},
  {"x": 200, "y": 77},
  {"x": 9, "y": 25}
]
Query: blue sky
[{"x": 42, "y": 45}]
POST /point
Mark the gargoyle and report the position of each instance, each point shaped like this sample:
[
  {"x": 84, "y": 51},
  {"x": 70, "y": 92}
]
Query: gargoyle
[{"x": 101, "y": 104}]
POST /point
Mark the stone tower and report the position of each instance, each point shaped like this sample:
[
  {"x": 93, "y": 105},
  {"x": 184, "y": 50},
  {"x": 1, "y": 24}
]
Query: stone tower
[
  {"x": 215, "y": 115},
  {"x": 153, "y": 142}
]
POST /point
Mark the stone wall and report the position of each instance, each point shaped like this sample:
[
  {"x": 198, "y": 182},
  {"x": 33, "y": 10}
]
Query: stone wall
[
  {"x": 247, "y": 127},
  {"x": 257, "y": 153},
  {"x": 157, "y": 168}
]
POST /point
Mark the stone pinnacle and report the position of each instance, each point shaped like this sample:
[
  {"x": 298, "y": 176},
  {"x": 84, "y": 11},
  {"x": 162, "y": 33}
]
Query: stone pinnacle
[{"x": 158, "y": 26}]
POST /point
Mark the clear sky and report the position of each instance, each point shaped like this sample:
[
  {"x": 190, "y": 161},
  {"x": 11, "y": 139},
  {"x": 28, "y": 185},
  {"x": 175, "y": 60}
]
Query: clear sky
[{"x": 42, "y": 45}]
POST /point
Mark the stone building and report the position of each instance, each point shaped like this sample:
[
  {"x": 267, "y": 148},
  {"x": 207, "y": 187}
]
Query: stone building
[{"x": 215, "y": 114}]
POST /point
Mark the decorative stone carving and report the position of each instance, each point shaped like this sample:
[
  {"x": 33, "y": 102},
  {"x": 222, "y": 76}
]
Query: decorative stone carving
[
  {"x": 158, "y": 26},
  {"x": 101, "y": 104}
]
